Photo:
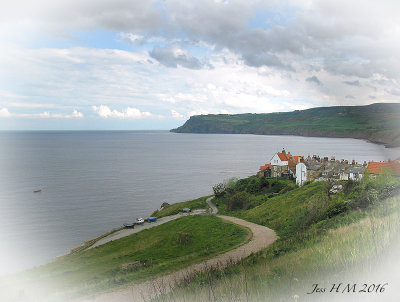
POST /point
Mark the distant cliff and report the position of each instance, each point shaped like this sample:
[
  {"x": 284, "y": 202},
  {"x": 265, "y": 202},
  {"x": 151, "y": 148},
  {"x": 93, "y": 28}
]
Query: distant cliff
[{"x": 377, "y": 123}]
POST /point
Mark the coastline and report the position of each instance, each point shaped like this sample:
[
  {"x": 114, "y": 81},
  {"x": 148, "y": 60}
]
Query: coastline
[{"x": 387, "y": 145}]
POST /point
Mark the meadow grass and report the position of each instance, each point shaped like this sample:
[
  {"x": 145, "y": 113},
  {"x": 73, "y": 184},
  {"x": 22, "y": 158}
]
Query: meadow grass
[
  {"x": 353, "y": 243},
  {"x": 161, "y": 249}
]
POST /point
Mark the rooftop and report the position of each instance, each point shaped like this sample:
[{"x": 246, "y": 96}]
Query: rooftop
[{"x": 380, "y": 167}]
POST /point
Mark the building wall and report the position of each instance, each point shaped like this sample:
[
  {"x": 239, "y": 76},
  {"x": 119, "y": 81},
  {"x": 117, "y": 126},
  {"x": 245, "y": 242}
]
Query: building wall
[{"x": 301, "y": 174}]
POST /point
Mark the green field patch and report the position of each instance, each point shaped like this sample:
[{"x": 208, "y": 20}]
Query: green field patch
[{"x": 158, "y": 250}]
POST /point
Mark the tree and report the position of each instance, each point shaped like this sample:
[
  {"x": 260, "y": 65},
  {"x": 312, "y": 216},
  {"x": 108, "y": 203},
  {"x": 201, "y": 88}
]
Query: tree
[{"x": 219, "y": 189}]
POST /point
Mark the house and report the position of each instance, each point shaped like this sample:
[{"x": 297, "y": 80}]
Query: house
[
  {"x": 279, "y": 163},
  {"x": 353, "y": 172},
  {"x": 315, "y": 168},
  {"x": 377, "y": 168},
  {"x": 284, "y": 164},
  {"x": 301, "y": 173},
  {"x": 265, "y": 171}
]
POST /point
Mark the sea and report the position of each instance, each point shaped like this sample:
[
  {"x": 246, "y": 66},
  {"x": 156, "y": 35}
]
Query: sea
[{"x": 92, "y": 182}]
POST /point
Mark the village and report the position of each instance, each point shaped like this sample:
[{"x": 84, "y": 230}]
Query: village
[{"x": 302, "y": 169}]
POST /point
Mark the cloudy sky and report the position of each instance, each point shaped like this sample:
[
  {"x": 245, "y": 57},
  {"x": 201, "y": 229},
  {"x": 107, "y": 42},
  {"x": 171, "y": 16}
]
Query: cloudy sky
[{"x": 134, "y": 64}]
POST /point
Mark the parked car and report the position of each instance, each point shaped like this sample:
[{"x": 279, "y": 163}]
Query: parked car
[
  {"x": 139, "y": 220},
  {"x": 129, "y": 225},
  {"x": 152, "y": 219}
]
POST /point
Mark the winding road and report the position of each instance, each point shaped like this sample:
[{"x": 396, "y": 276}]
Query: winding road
[{"x": 261, "y": 237}]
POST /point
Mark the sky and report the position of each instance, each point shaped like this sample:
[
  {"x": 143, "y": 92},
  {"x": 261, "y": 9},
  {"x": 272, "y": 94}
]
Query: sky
[{"x": 130, "y": 64}]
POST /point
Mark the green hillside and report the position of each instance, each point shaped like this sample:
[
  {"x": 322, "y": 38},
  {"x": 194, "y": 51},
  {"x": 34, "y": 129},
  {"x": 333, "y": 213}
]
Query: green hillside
[
  {"x": 164, "y": 248},
  {"x": 324, "y": 239},
  {"x": 378, "y": 123}
]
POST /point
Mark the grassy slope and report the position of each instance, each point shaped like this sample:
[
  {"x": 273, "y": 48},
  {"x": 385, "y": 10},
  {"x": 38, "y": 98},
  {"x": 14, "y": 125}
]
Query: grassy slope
[
  {"x": 347, "y": 253},
  {"x": 313, "y": 245},
  {"x": 159, "y": 248},
  {"x": 176, "y": 208},
  {"x": 287, "y": 213},
  {"x": 378, "y": 123}
]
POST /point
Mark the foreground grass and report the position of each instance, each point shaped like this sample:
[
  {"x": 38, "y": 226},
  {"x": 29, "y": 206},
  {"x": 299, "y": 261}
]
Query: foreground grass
[
  {"x": 348, "y": 253},
  {"x": 161, "y": 249},
  {"x": 176, "y": 208},
  {"x": 322, "y": 240}
]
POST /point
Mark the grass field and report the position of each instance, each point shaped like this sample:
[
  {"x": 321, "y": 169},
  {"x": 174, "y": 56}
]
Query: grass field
[
  {"x": 161, "y": 249},
  {"x": 176, "y": 208},
  {"x": 322, "y": 240}
]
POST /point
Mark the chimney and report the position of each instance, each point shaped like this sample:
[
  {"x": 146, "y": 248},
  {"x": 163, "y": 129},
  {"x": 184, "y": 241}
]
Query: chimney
[{"x": 283, "y": 151}]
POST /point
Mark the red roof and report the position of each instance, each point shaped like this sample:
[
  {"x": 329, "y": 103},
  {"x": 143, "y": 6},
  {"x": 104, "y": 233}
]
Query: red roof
[
  {"x": 297, "y": 158},
  {"x": 282, "y": 156},
  {"x": 265, "y": 167},
  {"x": 379, "y": 167}
]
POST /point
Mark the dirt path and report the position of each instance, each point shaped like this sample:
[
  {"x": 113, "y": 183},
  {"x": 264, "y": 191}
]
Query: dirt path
[{"x": 261, "y": 238}]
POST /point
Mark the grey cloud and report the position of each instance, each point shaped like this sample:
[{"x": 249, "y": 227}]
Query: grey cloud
[
  {"x": 65, "y": 15},
  {"x": 315, "y": 80},
  {"x": 394, "y": 91},
  {"x": 353, "y": 83},
  {"x": 319, "y": 31},
  {"x": 348, "y": 68},
  {"x": 265, "y": 58},
  {"x": 167, "y": 57},
  {"x": 349, "y": 97}
]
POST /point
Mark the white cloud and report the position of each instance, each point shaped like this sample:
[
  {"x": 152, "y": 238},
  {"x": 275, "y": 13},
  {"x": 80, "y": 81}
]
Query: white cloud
[
  {"x": 183, "y": 97},
  {"x": 175, "y": 114},
  {"x": 46, "y": 114},
  {"x": 214, "y": 56},
  {"x": 77, "y": 114},
  {"x": 129, "y": 113},
  {"x": 4, "y": 112}
]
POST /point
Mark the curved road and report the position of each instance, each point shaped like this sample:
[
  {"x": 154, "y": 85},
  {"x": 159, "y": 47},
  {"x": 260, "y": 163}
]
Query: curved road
[
  {"x": 261, "y": 238},
  {"x": 140, "y": 227}
]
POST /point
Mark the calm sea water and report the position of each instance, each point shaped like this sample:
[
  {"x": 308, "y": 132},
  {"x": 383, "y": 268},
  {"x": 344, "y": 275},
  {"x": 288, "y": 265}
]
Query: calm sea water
[{"x": 93, "y": 182}]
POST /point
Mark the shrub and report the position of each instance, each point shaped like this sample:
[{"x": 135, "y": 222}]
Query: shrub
[
  {"x": 238, "y": 201},
  {"x": 349, "y": 186},
  {"x": 335, "y": 209},
  {"x": 219, "y": 189},
  {"x": 228, "y": 186}
]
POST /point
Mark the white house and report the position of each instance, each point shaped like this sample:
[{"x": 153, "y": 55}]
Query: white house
[
  {"x": 279, "y": 163},
  {"x": 301, "y": 174},
  {"x": 279, "y": 159}
]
